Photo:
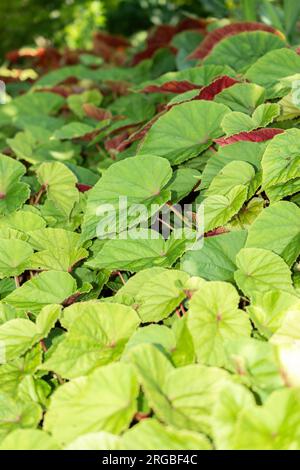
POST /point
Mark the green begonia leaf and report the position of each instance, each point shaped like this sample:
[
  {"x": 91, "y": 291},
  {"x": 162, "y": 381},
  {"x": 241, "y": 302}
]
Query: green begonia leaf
[
  {"x": 269, "y": 69},
  {"x": 216, "y": 259},
  {"x": 237, "y": 122},
  {"x": 273, "y": 426},
  {"x": 277, "y": 228},
  {"x": 184, "y": 131},
  {"x": 240, "y": 51},
  {"x": 14, "y": 257},
  {"x": 214, "y": 317},
  {"x": 219, "y": 209},
  {"x": 28, "y": 439},
  {"x": 260, "y": 270},
  {"x": 15, "y": 371},
  {"x": 255, "y": 364},
  {"x": 97, "y": 337},
  {"x": 102, "y": 401},
  {"x": 232, "y": 400},
  {"x": 151, "y": 435},
  {"x": 59, "y": 183},
  {"x": 242, "y": 97},
  {"x": 134, "y": 254},
  {"x": 47, "y": 288},
  {"x": 140, "y": 181},
  {"x": 250, "y": 152},
  {"x": 96, "y": 441},
  {"x": 23, "y": 221},
  {"x": 58, "y": 249},
  {"x": 269, "y": 308},
  {"x": 161, "y": 295},
  {"x": 17, "y": 414},
  {"x": 19, "y": 335},
  {"x": 13, "y": 193},
  {"x": 281, "y": 163},
  {"x": 233, "y": 174},
  {"x": 186, "y": 405},
  {"x": 73, "y": 130}
]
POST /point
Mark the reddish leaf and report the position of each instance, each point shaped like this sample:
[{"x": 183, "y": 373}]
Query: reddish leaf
[
  {"x": 15, "y": 55},
  {"x": 72, "y": 299},
  {"x": 120, "y": 88},
  {"x": 111, "y": 40},
  {"x": 58, "y": 90},
  {"x": 128, "y": 127},
  {"x": 215, "y": 232},
  {"x": 140, "y": 133},
  {"x": 12, "y": 56},
  {"x": 100, "y": 114},
  {"x": 210, "y": 91},
  {"x": 258, "y": 135},
  {"x": 173, "y": 86},
  {"x": 89, "y": 136},
  {"x": 192, "y": 23},
  {"x": 71, "y": 57},
  {"x": 161, "y": 35},
  {"x": 110, "y": 48},
  {"x": 112, "y": 145},
  {"x": 158, "y": 38},
  {"x": 83, "y": 187},
  {"x": 217, "y": 35}
]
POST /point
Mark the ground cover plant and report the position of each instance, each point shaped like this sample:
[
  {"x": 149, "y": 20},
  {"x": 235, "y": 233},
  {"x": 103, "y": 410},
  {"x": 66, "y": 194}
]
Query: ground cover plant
[{"x": 152, "y": 342}]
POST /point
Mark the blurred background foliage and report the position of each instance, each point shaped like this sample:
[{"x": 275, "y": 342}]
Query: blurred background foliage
[{"x": 71, "y": 22}]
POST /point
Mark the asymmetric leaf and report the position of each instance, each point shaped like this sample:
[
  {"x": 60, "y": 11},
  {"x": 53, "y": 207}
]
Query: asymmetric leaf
[
  {"x": 150, "y": 249},
  {"x": 219, "y": 209},
  {"x": 19, "y": 335},
  {"x": 216, "y": 260},
  {"x": 214, "y": 317},
  {"x": 28, "y": 439},
  {"x": 58, "y": 249},
  {"x": 281, "y": 161},
  {"x": 14, "y": 257},
  {"x": 51, "y": 287},
  {"x": 96, "y": 338},
  {"x": 151, "y": 435},
  {"x": 260, "y": 270},
  {"x": 184, "y": 131},
  {"x": 277, "y": 228},
  {"x": 161, "y": 295},
  {"x": 73, "y": 130},
  {"x": 59, "y": 183},
  {"x": 13, "y": 193},
  {"x": 269, "y": 69},
  {"x": 102, "y": 401},
  {"x": 242, "y": 50},
  {"x": 181, "y": 397},
  {"x": 137, "y": 181}
]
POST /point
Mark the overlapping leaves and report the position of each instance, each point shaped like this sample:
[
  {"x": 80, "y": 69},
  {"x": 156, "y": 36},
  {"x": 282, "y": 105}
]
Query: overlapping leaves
[{"x": 117, "y": 334}]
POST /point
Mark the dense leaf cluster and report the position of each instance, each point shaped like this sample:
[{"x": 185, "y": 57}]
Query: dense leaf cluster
[{"x": 144, "y": 343}]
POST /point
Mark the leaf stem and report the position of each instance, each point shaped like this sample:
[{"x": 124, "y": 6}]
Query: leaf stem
[
  {"x": 122, "y": 278},
  {"x": 165, "y": 223},
  {"x": 44, "y": 347},
  {"x": 17, "y": 281},
  {"x": 39, "y": 194},
  {"x": 183, "y": 311},
  {"x": 178, "y": 313},
  {"x": 180, "y": 216}
]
